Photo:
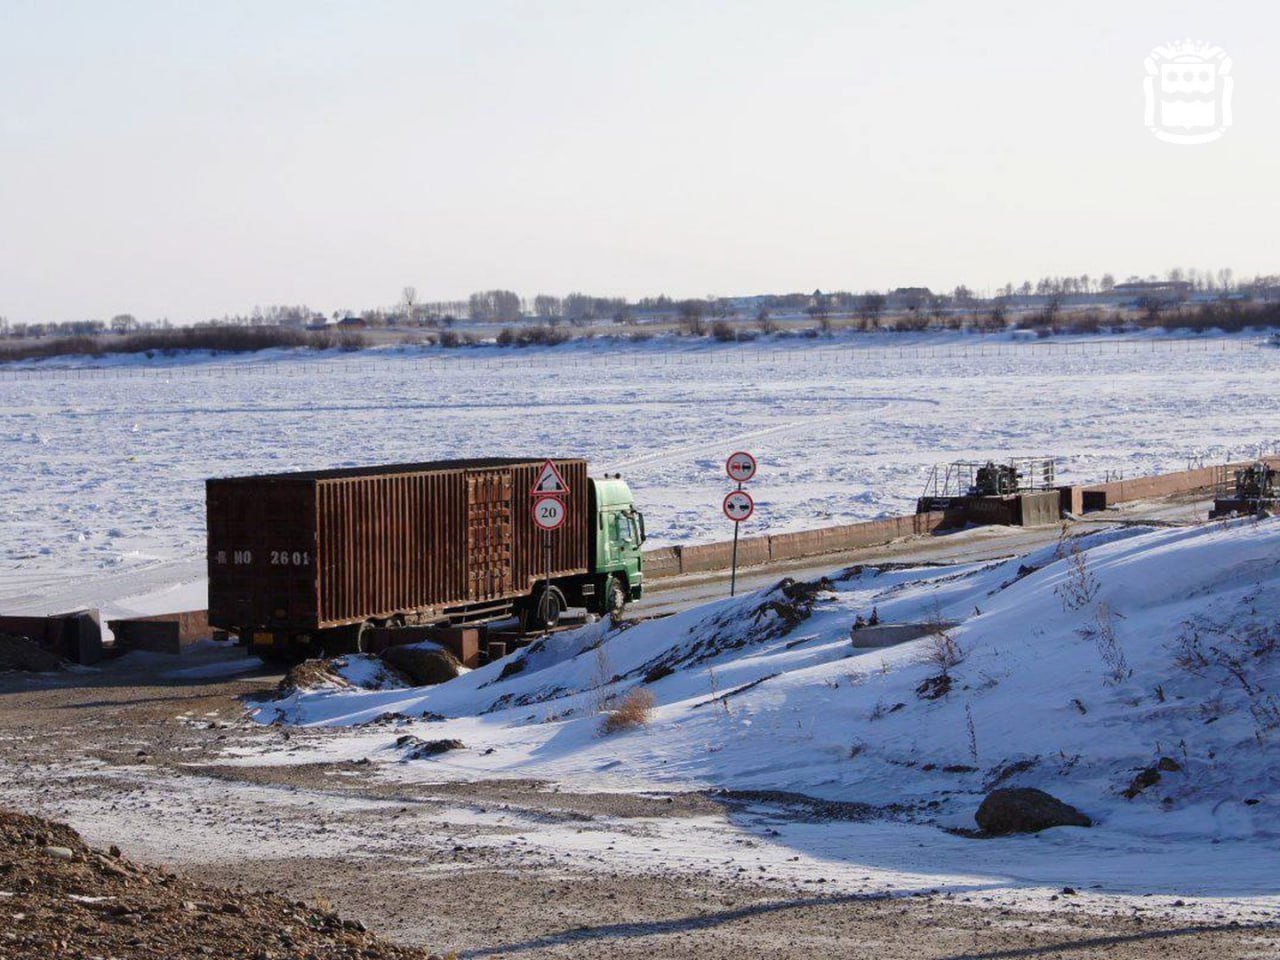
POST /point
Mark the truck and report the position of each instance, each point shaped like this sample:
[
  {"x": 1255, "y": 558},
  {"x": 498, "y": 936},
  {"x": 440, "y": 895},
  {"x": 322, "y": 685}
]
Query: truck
[{"x": 305, "y": 564}]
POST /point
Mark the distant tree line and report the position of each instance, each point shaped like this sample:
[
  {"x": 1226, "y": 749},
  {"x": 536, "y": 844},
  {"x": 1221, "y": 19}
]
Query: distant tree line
[{"x": 1039, "y": 304}]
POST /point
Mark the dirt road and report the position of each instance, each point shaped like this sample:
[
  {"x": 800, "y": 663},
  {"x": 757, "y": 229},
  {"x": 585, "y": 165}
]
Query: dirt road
[{"x": 133, "y": 755}]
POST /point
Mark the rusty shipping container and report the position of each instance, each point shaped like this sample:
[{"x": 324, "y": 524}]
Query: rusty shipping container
[{"x": 303, "y": 552}]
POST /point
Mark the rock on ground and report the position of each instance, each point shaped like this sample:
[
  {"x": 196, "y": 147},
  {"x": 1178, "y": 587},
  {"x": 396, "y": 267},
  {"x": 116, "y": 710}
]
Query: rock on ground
[
  {"x": 423, "y": 665},
  {"x": 1025, "y": 810},
  {"x": 418, "y": 749}
]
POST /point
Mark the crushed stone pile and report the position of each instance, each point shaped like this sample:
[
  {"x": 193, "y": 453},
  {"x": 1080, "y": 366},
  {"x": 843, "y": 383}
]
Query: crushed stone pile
[
  {"x": 20, "y": 653},
  {"x": 61, "y": 898},
  {"x": 308, "y": 675}
]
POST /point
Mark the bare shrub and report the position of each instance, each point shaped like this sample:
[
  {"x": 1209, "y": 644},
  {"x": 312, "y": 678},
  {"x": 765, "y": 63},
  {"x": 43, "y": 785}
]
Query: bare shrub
[
  {"x": 601, "y": 676},
  {"x": 1231, "y": 660},
  {"x": 723, "y": 332},
  {"x": 943, "y": 652},
  {"x": 1063, "y": 545},
  {"x": 691, "y": 312},
  {"x": 912, "y": 323},
  {"x": 348, "y": 340},
  {"x": 1261, "y": 641},
  {"x": 542, "y": 336},
  {"x": 1109, "y": 647},
  {"x": 61, "y": 346},
  {"x": 973, "y": 734},
  {"x": 715, "y": 691},
  {"x": 941, "y": 649},
  {"x": 1211, "y": 708},
  {"x": 1188, "y": 650},
  {"x": 632, "y": 711},
  {"x": 1080, "y": 586},
  {"x": 1266, "y": 717}
]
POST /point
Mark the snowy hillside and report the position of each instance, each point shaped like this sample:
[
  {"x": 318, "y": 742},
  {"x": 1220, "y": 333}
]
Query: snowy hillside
[{"x": 1074, "y": 669}]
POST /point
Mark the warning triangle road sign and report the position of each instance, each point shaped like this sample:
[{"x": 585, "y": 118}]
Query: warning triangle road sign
[{"x": 549, "y": 483}]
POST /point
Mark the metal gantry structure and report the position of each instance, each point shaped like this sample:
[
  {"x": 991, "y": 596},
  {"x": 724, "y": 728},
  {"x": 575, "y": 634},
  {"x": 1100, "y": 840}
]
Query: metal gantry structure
[{"x": 990, "y": 478}]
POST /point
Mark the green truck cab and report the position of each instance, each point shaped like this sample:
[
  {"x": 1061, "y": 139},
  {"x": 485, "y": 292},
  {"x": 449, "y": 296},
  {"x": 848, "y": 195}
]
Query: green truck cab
[{"x": 616, "y": 538}]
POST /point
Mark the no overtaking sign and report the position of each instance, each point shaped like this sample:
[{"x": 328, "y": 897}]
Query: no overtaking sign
[{"x": 738, "y": 506}]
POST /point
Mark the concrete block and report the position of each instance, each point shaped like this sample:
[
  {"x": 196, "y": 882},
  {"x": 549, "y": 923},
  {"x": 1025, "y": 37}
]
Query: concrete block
[
  {"x": 73, "y": 636},
  {"x": 992, "y": 510},
  {"x": 752, "y": 551},
  {"x": 892, "y": 634},
  {"x": 661, "y": 562},
  {"x": 1039, "y": 508},
  {"x": 462, "y": 642},
  {"x": 1093, "y": 498},
  {"x": 154, "y": 636},
  {"x": 1071, "y": 500}
]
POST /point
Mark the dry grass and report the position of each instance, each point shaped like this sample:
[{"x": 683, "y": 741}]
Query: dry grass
[
  {"x": 632, "y": 711},
  {"x": 168, "y": 342}
]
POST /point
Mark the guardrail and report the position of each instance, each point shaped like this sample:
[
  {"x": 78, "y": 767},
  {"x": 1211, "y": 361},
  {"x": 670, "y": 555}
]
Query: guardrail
[
  {"x": 773, "y": 548},
  {"x": 759, "y": 551}
]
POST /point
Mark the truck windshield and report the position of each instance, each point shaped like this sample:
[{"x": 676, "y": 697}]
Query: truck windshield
[{"x": 625, "y": 529}]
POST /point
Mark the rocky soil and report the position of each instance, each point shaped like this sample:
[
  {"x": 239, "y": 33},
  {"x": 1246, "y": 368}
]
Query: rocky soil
[
  {"x": 135, "y": 755},
  {"x": 60, "y": 897}
]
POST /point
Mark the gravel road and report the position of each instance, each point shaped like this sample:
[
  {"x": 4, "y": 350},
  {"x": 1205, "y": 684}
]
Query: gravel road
[{"x": 134, "y": 755}]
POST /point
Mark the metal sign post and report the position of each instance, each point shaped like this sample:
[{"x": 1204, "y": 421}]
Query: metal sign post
[
  {"x": 546, "y": 591},
  {"x": 738, "y": 505},
  {"x": 733, "y": 571},
  {"x": 549, "y": 509}
]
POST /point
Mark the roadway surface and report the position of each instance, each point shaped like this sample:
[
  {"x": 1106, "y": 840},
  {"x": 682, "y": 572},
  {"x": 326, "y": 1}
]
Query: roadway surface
[{"x": 669, "y": 595}]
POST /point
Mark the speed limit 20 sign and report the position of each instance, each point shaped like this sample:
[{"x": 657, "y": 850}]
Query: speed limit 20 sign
[
  {"x": 549, "y": 513},
  {"x": 740, "y": 466}
]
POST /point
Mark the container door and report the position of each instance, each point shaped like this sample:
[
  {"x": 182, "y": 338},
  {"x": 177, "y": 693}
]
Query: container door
[{"x": 489, "y": 574}]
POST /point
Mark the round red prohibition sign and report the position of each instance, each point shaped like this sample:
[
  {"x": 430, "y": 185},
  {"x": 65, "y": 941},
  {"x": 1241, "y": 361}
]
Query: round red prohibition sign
[
  {"x": 549, "y": 513},
  {"x": 738, "y": 506},
  {"x": 740, "y": 466}
]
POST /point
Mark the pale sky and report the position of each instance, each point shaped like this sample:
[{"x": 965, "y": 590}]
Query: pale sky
[{"x": 190, "y": 159}]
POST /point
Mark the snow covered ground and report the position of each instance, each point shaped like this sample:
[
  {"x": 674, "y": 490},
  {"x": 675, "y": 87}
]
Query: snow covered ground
[
  {"x": 1072, "y": 669},
  {"x": 102, "y": 499}
]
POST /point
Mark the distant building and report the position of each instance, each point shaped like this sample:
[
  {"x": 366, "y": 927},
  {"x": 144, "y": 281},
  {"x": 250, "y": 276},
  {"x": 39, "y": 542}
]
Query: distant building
[
  {"x": 353, "y": 323},
  {"x": 909, "y": 298},
  {"x": 1163, "y": 289}
]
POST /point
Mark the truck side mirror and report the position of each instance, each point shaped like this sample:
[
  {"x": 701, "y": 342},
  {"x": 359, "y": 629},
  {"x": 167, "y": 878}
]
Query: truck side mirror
[{"x": 640, "y": 517}]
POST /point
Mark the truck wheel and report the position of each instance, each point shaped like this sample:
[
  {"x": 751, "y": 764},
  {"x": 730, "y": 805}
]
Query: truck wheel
[
  {"x": 545, "y": 611},
  {"x": 341, "y": 641},
  {"x": 615, "y": 597}
]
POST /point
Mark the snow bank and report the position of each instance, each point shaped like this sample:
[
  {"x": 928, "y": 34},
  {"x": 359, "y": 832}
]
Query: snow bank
[{"x": 1073, "y": 669}]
